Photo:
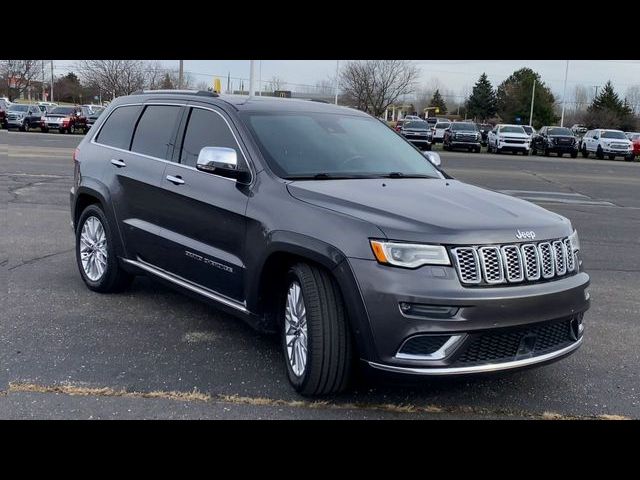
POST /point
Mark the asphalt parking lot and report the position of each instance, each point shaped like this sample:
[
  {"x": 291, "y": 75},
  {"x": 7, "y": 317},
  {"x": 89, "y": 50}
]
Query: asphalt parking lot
[{"x": 66, "y": 352}]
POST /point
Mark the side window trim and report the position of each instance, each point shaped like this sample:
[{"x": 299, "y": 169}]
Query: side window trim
[{"x": 94, "y": 138}]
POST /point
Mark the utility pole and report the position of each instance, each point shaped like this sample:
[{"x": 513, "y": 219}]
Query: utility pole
[
  {"x": 260, "y": 79},
  {"x": 51, "y": 81},
  {"x": 252, "y": 77},
  {"x": 564, "y": 94},
  {"x": 533, "y": 95},
  {"x": 43, "y": 80},
  {"x": 180, "y": 75},
  {"x": 337, "y": 70}
]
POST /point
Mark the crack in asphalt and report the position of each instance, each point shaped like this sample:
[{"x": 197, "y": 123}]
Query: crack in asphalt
[
  {"x": 195, "y": 395},
  {"x": 33, "y": 260},
  {"x": 13, "y": 190}
]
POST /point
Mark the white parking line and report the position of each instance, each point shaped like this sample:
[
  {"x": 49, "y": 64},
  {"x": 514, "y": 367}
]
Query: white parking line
[{"x": 556, "y": 197}]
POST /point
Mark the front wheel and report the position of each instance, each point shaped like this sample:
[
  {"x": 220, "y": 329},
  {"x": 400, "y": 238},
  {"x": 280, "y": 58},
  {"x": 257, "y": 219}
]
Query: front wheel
[
  {"x": 599, "y": 153},
  {"x": 315, "y": 336},
  {"x": 96, "y": 255},
  {"x": 629, "y": 158},
  {"x": 585, "y": 153},
  {"x": 574, "y": 154}
]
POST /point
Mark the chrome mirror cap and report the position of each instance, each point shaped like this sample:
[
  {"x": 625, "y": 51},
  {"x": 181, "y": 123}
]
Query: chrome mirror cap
[
  {"x": 433, "y": 157},
  {"x": 211, "y": 159}
]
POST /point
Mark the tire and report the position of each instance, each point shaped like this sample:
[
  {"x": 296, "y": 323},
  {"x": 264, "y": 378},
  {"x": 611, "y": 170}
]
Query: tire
[
  {"x": 44, "y": 130},
  {"x": 61, "y": 130},
  {"x": 629, "y": 158},
  {"x": 560, "y": 154},
  {"x": 574, "y": 154},
  {"x": 477, "y": 149},
  {"x": 23, "y": 128},
  {"x": 328, "y": 341},
  {"x": 612, "y": 157},
  {"x": 525, "y": 153},
  {"x": 26, "y": 126},
  {"x": 599, "y": 153},
  {"x": 585, "y": 152},
  {"x": 534, "y": 151},
  {"x": 112, "y": 278},
  {"x": 497, "y": 150},
  {"x": 546, "y": 152}
]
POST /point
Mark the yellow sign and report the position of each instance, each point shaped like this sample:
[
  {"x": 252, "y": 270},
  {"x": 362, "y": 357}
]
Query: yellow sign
[
  {"x": 437, "y": 110},
  {"x": 217, "y": 85}
]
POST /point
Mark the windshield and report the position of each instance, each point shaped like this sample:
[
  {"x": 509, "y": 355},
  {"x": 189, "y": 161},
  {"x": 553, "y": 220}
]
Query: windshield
[
  {"x": 442, "y": 125},
  {"x": 529, "y": 130},
  {"x": 614, "y": 134},
  {"x": 511, "y": 129},
  {"x": 19, "y": 108},
  {"x": 63, "y": 110},
  {"x": 466, "y": 127},
  {"x": 560, "y": 131},
  {"x": 326, "y": 145},
  {"x": 416, "y": 125}
]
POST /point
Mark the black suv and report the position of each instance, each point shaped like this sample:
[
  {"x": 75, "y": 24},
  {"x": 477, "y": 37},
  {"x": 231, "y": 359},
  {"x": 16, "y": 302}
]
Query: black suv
[
  {"x": 463, "y": 135},
  {"x": 558, "y": 140},
  {"x": 320, "y": 223}
]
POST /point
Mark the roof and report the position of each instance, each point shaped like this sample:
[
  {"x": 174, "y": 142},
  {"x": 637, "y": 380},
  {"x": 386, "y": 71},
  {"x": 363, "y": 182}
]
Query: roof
[{"x": 245, "y": 102}]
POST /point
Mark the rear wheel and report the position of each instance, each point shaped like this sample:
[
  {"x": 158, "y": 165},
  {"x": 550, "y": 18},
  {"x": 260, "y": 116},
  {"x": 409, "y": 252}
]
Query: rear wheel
[
  {"x": 23, "y": 127},
  {"x": 315, "y": 336},
  {"x": 629, "y": 158},
  {"x": 95, "y": 253},
  {"x": 546, "y": 152},
  {"x": 574, "y": 154}
]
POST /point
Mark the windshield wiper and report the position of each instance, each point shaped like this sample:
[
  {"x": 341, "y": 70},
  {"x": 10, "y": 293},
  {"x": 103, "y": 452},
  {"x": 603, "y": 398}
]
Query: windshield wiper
[
  {"x": 321, "y": 176},
  {"x": 404, "y": 175}
]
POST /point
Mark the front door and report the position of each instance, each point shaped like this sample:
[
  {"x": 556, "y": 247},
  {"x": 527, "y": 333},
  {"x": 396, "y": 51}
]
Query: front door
[{"x": 202, "y": 216}]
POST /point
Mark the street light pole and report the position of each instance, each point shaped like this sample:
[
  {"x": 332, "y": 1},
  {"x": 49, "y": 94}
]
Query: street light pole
[
  {"x": 252, "y": 77},
  {"x": 51, "y": 81},
  {"x": 180, "y": 76},
  {"x": 533, "y": 95},
  {"x": 564, "y": 94},
  {"x": 337, "y": 70},
  {"x": 260, "y": 79},
  {"x": 43, "y": 80}
]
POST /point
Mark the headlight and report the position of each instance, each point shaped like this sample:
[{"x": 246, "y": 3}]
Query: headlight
[
  {"x": 575, "y": 241},
  {"x": 409, "y": 255}
]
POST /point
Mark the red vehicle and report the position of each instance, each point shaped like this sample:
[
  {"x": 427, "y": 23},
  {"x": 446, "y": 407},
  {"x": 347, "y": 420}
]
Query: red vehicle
[
  {"x": 635, "y": 140},
  {"x": 65, "y": 119}
]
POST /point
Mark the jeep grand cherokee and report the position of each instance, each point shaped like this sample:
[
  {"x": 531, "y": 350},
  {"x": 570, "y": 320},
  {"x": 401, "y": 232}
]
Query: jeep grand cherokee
[{"x": 322, "y": 224}]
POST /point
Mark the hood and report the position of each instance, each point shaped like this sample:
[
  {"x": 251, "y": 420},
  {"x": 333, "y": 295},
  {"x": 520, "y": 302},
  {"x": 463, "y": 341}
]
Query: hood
[
  {"x": 433, "y": 210},
  {"x": 514, "y": 135}
]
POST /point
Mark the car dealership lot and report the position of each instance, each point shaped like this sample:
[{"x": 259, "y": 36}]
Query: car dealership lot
[{"x": 66, "y": 352}]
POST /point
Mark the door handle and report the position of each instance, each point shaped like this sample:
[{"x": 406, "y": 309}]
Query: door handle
[
  {"x": 118, "y": 163},
  {"x": 177, "y": 180}
]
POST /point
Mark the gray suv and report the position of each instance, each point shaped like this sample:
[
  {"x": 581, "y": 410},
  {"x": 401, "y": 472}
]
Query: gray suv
[{"x": 320, "y": 223}]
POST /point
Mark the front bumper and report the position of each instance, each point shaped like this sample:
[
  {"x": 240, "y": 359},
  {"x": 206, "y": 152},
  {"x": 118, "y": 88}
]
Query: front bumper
[
  {"x": 513, "y": 146},
  {"x": 464, "y": 144},
  {"x": 612, "y": 151},
  {"x": 15, "y": 123},
  {"x": 477, "y": 312},
  {"x": 563, "y": 148}
]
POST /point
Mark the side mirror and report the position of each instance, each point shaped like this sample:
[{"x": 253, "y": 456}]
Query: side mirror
[
  {"x": 596, "y": 137},
  {"x": 221, "y": 161},
  {"x": 433, "y": 157}
]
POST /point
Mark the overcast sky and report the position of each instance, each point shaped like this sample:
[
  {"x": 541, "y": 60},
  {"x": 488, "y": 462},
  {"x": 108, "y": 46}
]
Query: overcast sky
[{"x": 454, "y": 75}]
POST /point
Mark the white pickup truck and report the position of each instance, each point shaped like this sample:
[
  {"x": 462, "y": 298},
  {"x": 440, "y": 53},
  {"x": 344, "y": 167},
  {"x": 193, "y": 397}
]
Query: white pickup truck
[
  {"x": 512, "y": 138},
  {"x": 613, "y": 143}
]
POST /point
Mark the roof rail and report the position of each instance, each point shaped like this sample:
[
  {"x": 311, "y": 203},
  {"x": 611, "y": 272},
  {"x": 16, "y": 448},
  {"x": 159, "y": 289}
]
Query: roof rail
[{"x": 200, "y": 93}]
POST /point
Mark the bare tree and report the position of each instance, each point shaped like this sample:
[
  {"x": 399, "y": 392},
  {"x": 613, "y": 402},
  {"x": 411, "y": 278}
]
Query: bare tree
[
  {"x": 116, "y": 77},
  {"x": 581, "y": 97},
  {"x": 373, "y": 85},
  {"x": 276, "y": 83},
  {"x": 633, "y": 97},
  {"x": 19, "y": 74}
]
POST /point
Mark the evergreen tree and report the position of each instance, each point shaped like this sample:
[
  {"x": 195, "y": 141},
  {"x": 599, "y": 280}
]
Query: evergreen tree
[
  {"x": 514, "y": 99},
  {"x": 482, "y": 103},
  {"x": 438, "y": 101},
  {"x": 609, "y": 111}
]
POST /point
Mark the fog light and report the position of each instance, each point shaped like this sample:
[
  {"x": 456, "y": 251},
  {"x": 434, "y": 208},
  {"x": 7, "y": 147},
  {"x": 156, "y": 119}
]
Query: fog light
[
  {"x": 587, "y": 295},
  {"x": 427, "y": 311}
]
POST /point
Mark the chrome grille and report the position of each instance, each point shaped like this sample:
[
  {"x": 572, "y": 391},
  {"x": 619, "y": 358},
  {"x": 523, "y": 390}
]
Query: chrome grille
[
  {"x": 466, "y": 259},
  {"x": 531, "y": 261},
  {"x": 560, "y": 256},
  {"x": 571, "y": 259},
  {"x": 546, "y": 260},
  {"x": 496, "y": 264},
  {"x": 512, "y": 261},
  {"x": 491, "y": 264}
]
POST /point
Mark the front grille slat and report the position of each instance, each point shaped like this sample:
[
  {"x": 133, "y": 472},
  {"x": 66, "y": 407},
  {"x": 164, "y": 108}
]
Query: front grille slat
[{"x": 499, "y": 264}]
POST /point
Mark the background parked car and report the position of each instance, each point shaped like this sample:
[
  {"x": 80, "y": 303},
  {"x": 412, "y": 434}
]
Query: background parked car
[
  {"x": 91, "y": 114},
  {"x": 613, "y": 143},
  {"x": 418, "y": 133},
  {"x": 4, "y": 106},
  {"x": 438, "y": 131},
  {"x": 23, "y": 116},
  {"x": 529, "y": 130},
  {"x": 511, "y": 138},
  {"x": 635, "y": 141},
  {"x": 484, "y": 129},
  {"x": 65, "y": 119},
  {"x": 579, "y": 129},
  {"x": 558, "y": 140},
  {"x": 462, "y": 135}
]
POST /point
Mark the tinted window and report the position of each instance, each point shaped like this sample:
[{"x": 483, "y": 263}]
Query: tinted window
[
  {"x": 442, "y": 125},
  {"x": 560, "y": 131},
  {"x": 465, "y": 127},
  {"x": 155, "y": 130},
  {"x": 18, "y": 108},
  {"x": 511, "y": 129},
  {"x": 63, "y": 110},
  {"x": 118, "y": 128},
  {"x": 205, "y": 129},
  {"x": 614, "y": 134},
  {"x": 308, "y": 144},
  {"x": 416, "y": 125}
]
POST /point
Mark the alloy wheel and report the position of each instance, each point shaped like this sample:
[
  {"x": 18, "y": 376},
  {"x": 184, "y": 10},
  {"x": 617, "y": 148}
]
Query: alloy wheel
[
  {"x": 295, "y": 324},
  {"x": 93, "y": 249}
]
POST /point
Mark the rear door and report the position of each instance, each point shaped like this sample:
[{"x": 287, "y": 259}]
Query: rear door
[
  {"x": 202, "y": 216},
  {"x": 138, "y": 139}
]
